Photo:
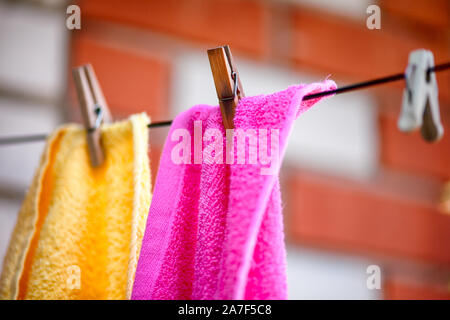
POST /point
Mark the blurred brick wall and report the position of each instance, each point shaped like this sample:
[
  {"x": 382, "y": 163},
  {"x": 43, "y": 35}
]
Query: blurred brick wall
[
  {"x": 32, "y": 72},
  {"x": 394, "y": 215}
]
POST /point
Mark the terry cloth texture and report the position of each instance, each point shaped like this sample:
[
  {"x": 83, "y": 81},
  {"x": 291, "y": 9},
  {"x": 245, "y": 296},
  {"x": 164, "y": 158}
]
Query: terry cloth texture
[
  {"x": 80, "y": 229},
  {"x": 215, "y": 231}
]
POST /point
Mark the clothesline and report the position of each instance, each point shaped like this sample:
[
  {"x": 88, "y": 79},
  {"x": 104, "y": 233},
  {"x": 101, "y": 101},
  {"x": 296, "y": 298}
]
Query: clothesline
[{"x": 351, "y": 87}]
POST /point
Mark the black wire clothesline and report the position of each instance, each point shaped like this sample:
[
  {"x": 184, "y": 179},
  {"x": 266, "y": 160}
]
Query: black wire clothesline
[{"x": 351, "y": 87}]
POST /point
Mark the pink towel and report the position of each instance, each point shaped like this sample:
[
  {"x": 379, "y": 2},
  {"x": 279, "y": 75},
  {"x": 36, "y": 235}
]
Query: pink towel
[{"x": 215, "y": 230}]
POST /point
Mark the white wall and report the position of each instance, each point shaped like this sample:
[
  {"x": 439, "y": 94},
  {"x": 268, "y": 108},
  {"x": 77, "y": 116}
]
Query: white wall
[
  {"x": 32, "y": 63},
  {"x": 315, "y": 274}
]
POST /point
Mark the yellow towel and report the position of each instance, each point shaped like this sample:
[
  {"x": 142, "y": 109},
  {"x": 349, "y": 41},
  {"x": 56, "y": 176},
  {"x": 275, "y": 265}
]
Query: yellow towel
[{"x": 79, "y": 231}]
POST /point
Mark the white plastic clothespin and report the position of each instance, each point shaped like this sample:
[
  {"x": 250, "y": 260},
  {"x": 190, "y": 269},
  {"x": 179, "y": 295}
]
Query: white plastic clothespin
[{"x": 420, "y": 107}]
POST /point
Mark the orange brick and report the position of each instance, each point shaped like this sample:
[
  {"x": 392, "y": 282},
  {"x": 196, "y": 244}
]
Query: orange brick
[
  {"x": 154, "y": 155},
  {"x": 409, "y": 152},
  {"x": 239, "y": 23},
  {"x": 132, "y": 80},
  {"x": 396, "y": 288},
  {"x": 392, "y": 216},
  {"x": 435, "y": 13}
]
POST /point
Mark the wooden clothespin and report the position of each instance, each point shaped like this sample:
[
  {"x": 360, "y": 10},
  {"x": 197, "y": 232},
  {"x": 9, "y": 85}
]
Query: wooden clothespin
[
  {"x": 420, "y": 106},
  {"x": 227, "y": 82},
  {"x": 94, "y": 110}
]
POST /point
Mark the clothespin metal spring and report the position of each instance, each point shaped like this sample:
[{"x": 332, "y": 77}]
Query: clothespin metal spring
[
  {"x": 235, "y": 87},
  {"x": 98, "y": 121}
]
